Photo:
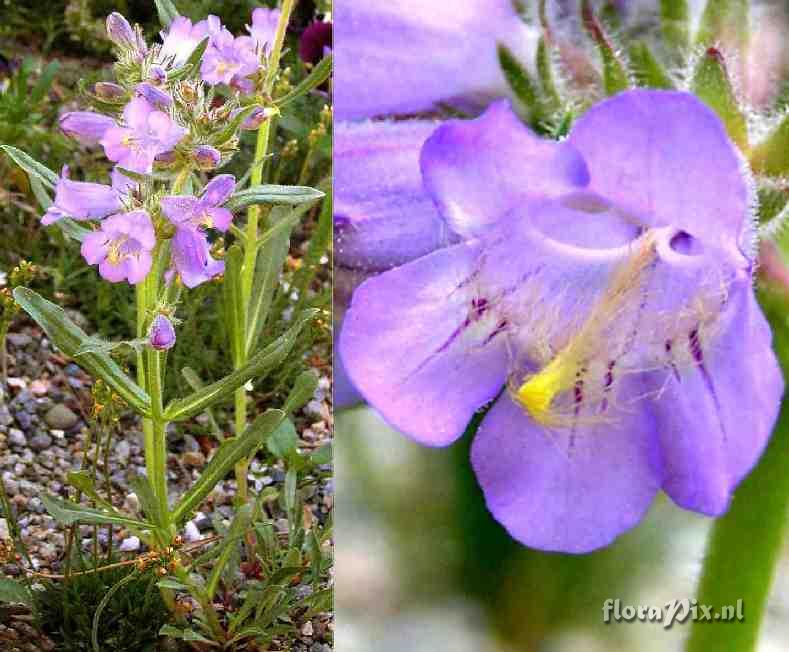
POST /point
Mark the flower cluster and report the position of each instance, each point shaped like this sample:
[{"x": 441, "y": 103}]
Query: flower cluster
[{"x": 163, "y": 130}]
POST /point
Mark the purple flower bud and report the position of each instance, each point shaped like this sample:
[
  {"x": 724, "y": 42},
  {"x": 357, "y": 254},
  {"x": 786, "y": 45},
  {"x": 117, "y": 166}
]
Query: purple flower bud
[
  {"x": 85, "y": 126},
  {"x": 166, "y": 159},
  {"x": 157, "y": 75},
  {"x": 257, "y": 118},
  {"x": 156, "y": 97},
  {"x": 206, "y": 157},
  {"x": 120, "y": 32},
  {"x": 109, "y": 91},
  {"x": 162, "y": 334}
]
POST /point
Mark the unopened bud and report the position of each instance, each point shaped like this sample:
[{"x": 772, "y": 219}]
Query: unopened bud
[
  {"x": 120, "y": 32},
  {"x": 109, "y": 91},
  {"x": 258, "y": 117},
  {"x": 162, "y": 335},
  {"x": 166, "y": 159},
  {"x": 156, "y": 97},
  {"x": 85, "y": 126},
  {"x": 206, "y": 157},
  {"x": 157, "y": 75}
]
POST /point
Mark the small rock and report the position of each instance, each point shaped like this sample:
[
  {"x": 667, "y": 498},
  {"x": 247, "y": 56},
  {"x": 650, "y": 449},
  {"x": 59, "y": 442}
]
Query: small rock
[
  {"x": 16, "y": 438},
  {"x": 19, "y": 340},
  {"x": 39, "y": 387},
  {"x": 190, "y": 444},
  {"x": 40, "y": 441},
  {"x": 61, "y": 417},
  {"x": 5, "y": 416},
  {"x": 202, "y": 522},
  {"x": 193, "y": 458},
  {"x": 72, "y": 369},
  {"x": 191, "y": 532},
  {"x": 306, "y": 629},
  {"x": 123, "y": 450},
  {"x": 132, "y": 544}
]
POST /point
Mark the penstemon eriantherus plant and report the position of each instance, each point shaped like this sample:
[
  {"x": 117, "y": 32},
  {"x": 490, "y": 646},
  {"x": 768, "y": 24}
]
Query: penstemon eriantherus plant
[{"x": 169, "y": 122}]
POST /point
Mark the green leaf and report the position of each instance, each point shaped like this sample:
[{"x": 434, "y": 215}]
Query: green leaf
[
  {"x": 231, "y": 130},
  {"x": 520, "y": 82},
  {"x": 260, "y": 364},
  {"x": 271, "y": 194},
  {"x": 303, "y": 390},
  {"x": 169, "y": 583},
  {"x": 31, "y": 166},
  {"x": 547, "y": 78},
  {"x": 284, "y": 440},
  {"x": 712, "y": 86},
  {"x": 44, "y": 82},
  {"x": 191, "y": 377},
  {"x": 273, "y": 245},
  {"x": 319, "y": 244},
  {"x": 192, "y": 65},
  {"x": 240, "y": 524},
  {"x": 615, "y": 77},
  {"x": 167, "y": 11},
  {"x": 234, "y": 304},
  {"x": 675, "y": 24},
  {"x": 320, "y": 73},
  {"x": 224, "y": 459},
  {"x": 83, "y": 481},
  {"x": 143, "y": 489},
  {"x": 322, "y": 456},
  {"x": 290, "y": 490},
  {"x": 11, "y": 591},
  {"x": 647, "y": 70},
  {"x": 771, "y": 156},
  {"x": 69, "y": 337},
  {"x": 169, "y": 630},
  {"x": 68, "y": 513}
]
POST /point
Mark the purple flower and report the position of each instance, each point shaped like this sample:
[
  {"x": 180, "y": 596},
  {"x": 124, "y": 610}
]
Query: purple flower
[
  {"x": 600, "y": 301},
  {"x": 122, "y": 247},
  {"x": 180, "y": 40},
  {"x": 227, "y": 58},
  {"x": 264, "y": 27},
  {"x": 87, "y": 127},
  {"x": 122, "y": 34},
  {"x": 81, "y": 200},
  {"x": 109, "y": 90},
  {"x": 148, "y": 132},
  {"x": 256, "y": 118},
  {"x": 406, "y": 56},
  {"x": 315, "y": 42},
  {"x": 189, "y": 212},
  {"x": 191, "y": 259},
  {"x": 162, "y": 334}
]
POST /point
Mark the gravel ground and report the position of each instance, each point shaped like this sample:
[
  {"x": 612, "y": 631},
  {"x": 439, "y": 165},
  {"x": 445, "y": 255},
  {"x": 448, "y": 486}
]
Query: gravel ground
[{"x": 43, "y": 434}]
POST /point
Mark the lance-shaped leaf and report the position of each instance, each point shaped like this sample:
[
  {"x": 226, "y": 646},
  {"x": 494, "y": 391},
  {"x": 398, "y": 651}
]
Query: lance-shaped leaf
[
  {"x": 260, "y": 364},
  {"x": 235, "y": 319},
  {"x": 69, "y": 337},
  {"x": 771, "y": 156},
  {"x": 238, "y": 527},
  {"x": 712, "y": 85},
  {"x": 521, "y": 83},
  {"x": 68, "y": 513},
  {"x": 191, "y": 377},
  {"x": 284, "y": 441},
  {"x": 224, "y": 459},
  {"x": 83, "y": 481},
  {"x": 31, "y": 166},
  {"x": 192, "y": 65},
  {"x": 143, "y": 489},
  {"x": 546, "y": 75},
  {"x": 303, "y": 390},
  {"x": 725, "y": 21},
  {"x": 273, "y": 250},
  {"x": 320, "y": 73},
  {"x": 271, "y": 194},
  {"x": 647, "y": 70},
  {"x": 675, "y": 24},
  {"x": 167, "y": 11},
  {"x": 615, "y": 77}
]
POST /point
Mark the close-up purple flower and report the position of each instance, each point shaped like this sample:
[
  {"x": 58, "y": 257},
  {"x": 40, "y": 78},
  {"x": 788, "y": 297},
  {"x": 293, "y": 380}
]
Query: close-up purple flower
[
  {"x": 147, "y": 132},
  {"x": 87, "y": 127},
  {"x": 185, "y": 211},
  {"x": 81, "y": 200},
  {"x": 408, "y": 56},
  {"x": 121, "y": 33},
  {"x": 162, "y": 334},
  {"x": 180, "y": 40},
  {"x": 121, "y": 247},
  {"x": 595, "y": 293}
]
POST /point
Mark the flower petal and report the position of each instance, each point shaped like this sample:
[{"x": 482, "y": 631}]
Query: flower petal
[
  {"x": 562, "y": 490},
  {"x": 178, "y": 209},
  {"x": 406, "y": 56},
  {"x": 382, "y": 215},
  {"x": 419, "y": 346},
  {"x": 219, "y": 189},
  {"x": 715, "y": 416},
  {"x": 477, "y": 170},
  {"x": 666, "y": 157}
]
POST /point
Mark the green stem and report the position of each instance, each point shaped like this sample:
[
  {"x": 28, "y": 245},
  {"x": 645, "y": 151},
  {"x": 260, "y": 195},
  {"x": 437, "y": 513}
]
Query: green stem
[{"x": 745, "y": 545}]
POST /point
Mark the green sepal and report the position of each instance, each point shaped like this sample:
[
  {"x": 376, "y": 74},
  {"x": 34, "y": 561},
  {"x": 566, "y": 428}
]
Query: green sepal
[
  {"x": 647, "y": 70},
  {"x": 615, "y": 76},
  {"x": 675, "y": 24},
  {"x": 771, "y": 156},
  {"x": 192, "y": 65},
  {"x": 711, "y": 84},
  {"x": 521, "y": 83},
  {"x": 320, "y": 73},
  {"x": 723, "y": 20},
  {"x": 69, "y": 338}
]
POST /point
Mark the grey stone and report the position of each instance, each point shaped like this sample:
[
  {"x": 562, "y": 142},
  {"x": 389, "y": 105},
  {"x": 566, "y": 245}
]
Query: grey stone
[
  {"x": 61, "y": 418},
  {"x": 19, "y": 340},
  {"x": 40, "y": 441},
  {"x": 16, "y": 438},
  {"x": 132, "y": 544}
]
